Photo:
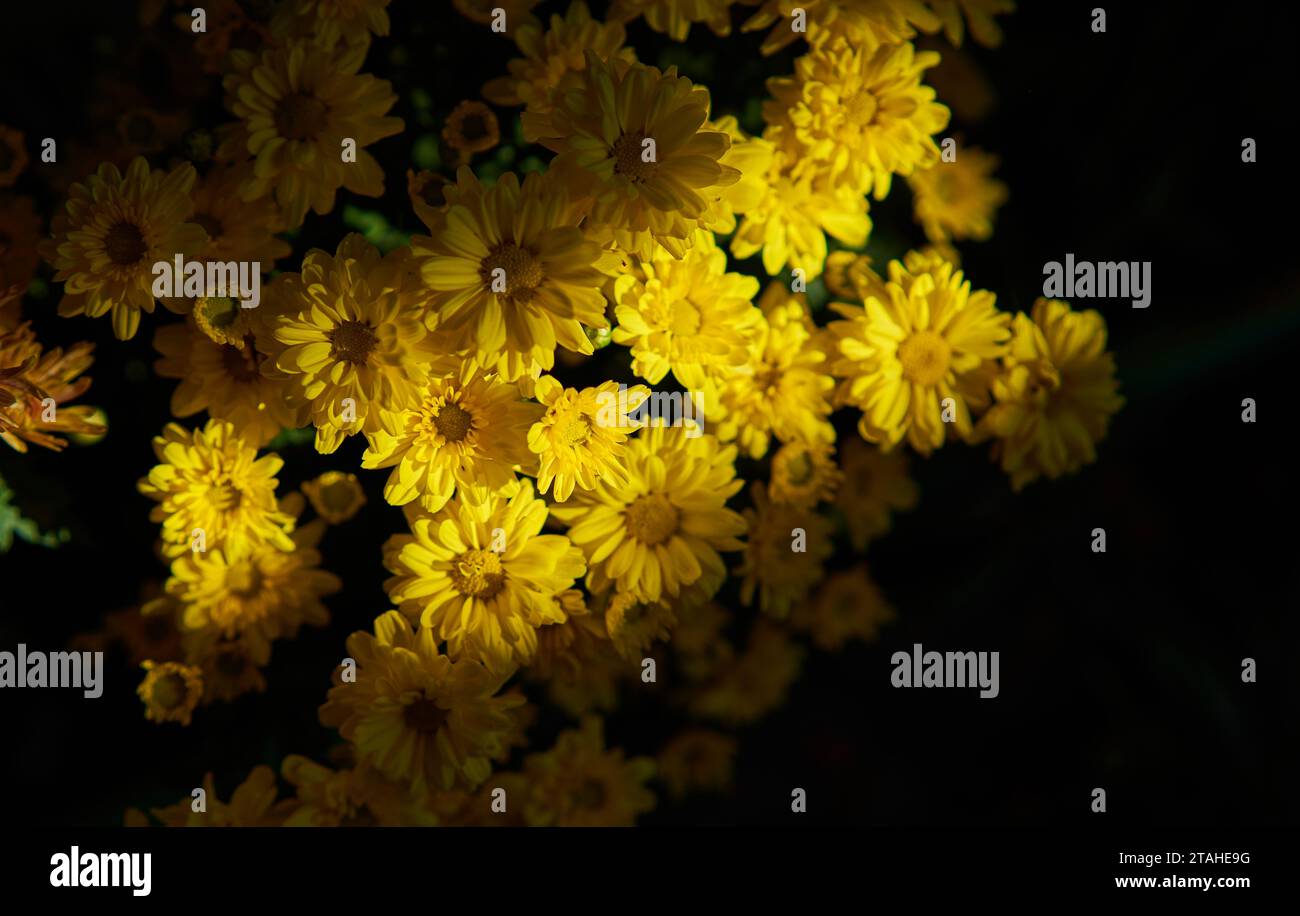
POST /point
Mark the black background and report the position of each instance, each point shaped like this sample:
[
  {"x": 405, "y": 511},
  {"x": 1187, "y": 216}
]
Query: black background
[{"x": 1119, "y": 670}]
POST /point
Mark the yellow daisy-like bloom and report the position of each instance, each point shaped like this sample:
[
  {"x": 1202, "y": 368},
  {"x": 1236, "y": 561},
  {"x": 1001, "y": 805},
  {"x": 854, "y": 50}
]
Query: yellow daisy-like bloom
[
  {"x": 332, "y": 21},
  {"x": 875, "y": 485},
  {"x": 355, "y": 797},
  {"x": 674, "y": 17},
  {"x": 784, "y": 553},
  {"x": 798, "y": 209},
  {"x": 13, "y": 155},
  {"x": 170, "y": 691},
  {"x": 467, "y": 436},
  {"x": 512, "y": 275},
  {"x": 661, "y": 530},
  {"x": 979, "y": 13},
  {"x": 113, "y": 230},
  {"x": 578, "y": 783},
  {"x": 483, "y": 578},
  {"x": 862, "y": 113},
  {"x": 252, "y": 804},
  {"x": 848, "y": 606},
  {"x": 957, "y": 200},
  {"x": 869, "y": 22},
  {"x": 849, "y": 275},
  {"x": 580, "y": 439},
  {"x": 336, "y": 496},
  {"x": 415, "y": 715},
  {"x": 756, "y": 682},
  {"x": 634, "y": 625},
  {"x": 915, "y": 360},
  {"x": 254, "y": 589},
  {"x": 297, "y": 104},
  {"x": 697, "y": 760},
  {"x": 357, "y": 338},
  {"x": 517, "y": 12},
  {"x": 784, "y": 387},
  {"x": 471, "y": 128},
  {"x": 635, "y": 138},
  {"x": 20, "y": 239},
  {"x": 1055, "y": 395},
  {"x": 803, "y": 475},
  {"x": 30, "y": 378},
  {"x": 551, "y": 57},
  {"x": 686, "y": 314},
  {"x": 212, "y": 481}
]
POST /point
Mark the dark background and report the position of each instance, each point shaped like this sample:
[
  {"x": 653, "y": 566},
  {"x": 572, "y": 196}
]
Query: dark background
[{"x": 1119, "y": 670}]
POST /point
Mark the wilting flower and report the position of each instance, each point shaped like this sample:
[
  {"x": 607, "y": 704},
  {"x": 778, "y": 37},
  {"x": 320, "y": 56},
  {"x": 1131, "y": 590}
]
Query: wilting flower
[
  {"x": 578, "y": 783},
  {"x": 170, "y": 691}
]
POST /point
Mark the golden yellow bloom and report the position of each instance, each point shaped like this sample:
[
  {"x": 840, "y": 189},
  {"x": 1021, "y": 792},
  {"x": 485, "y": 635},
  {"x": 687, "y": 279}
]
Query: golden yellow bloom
[
  {"x": 875, "y": 484},
  {"x": 579, "y": 440},
  {"x": 13, "y": 155},
  {"x": 512, "y": 275},
  {"x": 635, "y": 139},
  {"x": 686, "y": 314},
  {"x": 1055, "y": 395},
  {"x": 253, "y": 804},
  {"x": 332, "y": 21},
  {"x": 803, "y": 475},
  {"x": 915, "y": 360},
  {"x": 113, "y": 230},
  {"x": 20, "y": 239},
  {"x": 634, "y": 625},
  {"x": 551, "y": 57},
  {"x": 752, "y": 157},
  {"x": 466, "y": 435},
  {"x": 861, "y": 113},
  {"x": 471, "y": 128},
  {"x": 231, "y": 667},
  {"x": 868, "y": 22},
  {"x": 674, "y": 17},
  {"x": 483, "y": 578},
  {"x": 517, "y": 12},
  {"x": 848, "y": 606},
  {"x": 354, "y": 797},
  {"x": 957, "y": 200},
  {"x": 578, "y": 783},
  {"x": 170, "y": 691},
  {"x": 849, "y": 275},
  {"x": 415, "y": 715},
  {"x": 34, "y": 387},
  {"x": 297, "y": 104},
  {"x": 352, "y": 335},
  {"x": 335, "y": 495},
  {"x": 210, "y": 484},
  {"x": 698, "y": 759},
  {"x": 784, "y": 554},
  {"x": 784, "y": 386},
  {"x": 755, "y": 683},
  {"x": 979, "y": 13},
  {"x": 661, "y": 530}
]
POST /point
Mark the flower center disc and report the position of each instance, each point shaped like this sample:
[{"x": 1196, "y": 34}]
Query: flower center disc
[
  {"x": 453, "y": 422},
  {"x": 651, "y": 519},
  {"x": 478, "y": 573},
  {"x": 425, "y": 716},
  {"x": 627, "y": 158},
  {"x": 125, "y": 244},
  {"x": 522, "y": 272},
  {"x": 352, "y": 341},
  {"x": 300, "y": 117},
  {"x": 926, "y": 358}
]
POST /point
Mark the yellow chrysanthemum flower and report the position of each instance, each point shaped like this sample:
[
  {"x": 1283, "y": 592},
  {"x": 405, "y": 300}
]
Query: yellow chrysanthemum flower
[
  {"x": 354, "y": 797},
  {"x": 958, "y": 199},
  {"x": 298, "y": 106},
  {"x": 634, "y": 138},
  {"x": 465, "y": 435},
  {"x": 231, "y": 667},
  {"x": 784, "y": 553},
  {"x": 209, "y": 483},
  {"x": 862, "y": 114},
  {"x": 332, "y": 21},
  {"x": 113, "y": 230},
  {"x": 798, "y": 209},
  {"x": 578, "y": 783},
  {"x": 471, "y": 128},
  {"x": 254, "y": 589},
  {"x": 848, "y": 606},
  {"x": 674, "y": 17},
  {"x": 875, "y": 484},
  {"x": 803, "y": 475},
  {"x": 1055, "y": 395},
  {"x": 170, "y": 691},
  {"x": 335, "y": 496},
  {"x": 31, "y": 377},
  {"x": 252, "y": 804},
  {"x": 551, "y": 57},
  {"x": 869, "y": 22},
  {"x": 483, "y": 578},
  {"x": 917, "y": 359},
  {"x": 754, "y": 683},
  {"x": 697, "y": 760},
  {"x": 661, "y": 530},
  {"x": 686, "y": 314},
  {"x": 784, "y": 387},
  {"x": 752, "y": 157},
  {"x": 352, "y": 335},
  {"x": 511, "y": 274},
  {"x": 580, "y": 439},
  {"x": 415, "y": 715}
]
